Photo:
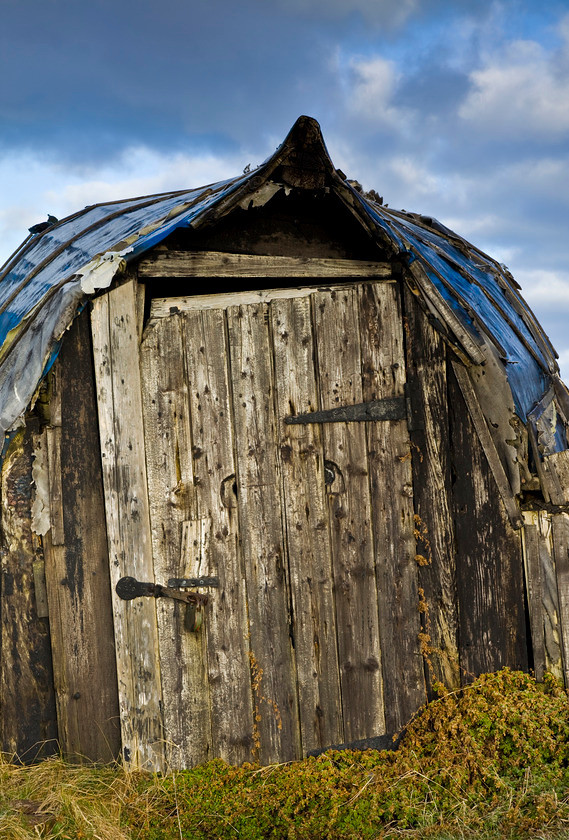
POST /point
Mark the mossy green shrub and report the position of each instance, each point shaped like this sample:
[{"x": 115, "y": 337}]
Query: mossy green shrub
[{"x": 487, "y": 761}]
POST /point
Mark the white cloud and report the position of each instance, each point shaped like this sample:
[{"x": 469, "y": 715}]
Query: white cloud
[
  {"x": 33, "y": 187},
  {"x": 544, "y": 288},
  {"x": 522, "y": 90},
  {"x": 370, "y": 86}
]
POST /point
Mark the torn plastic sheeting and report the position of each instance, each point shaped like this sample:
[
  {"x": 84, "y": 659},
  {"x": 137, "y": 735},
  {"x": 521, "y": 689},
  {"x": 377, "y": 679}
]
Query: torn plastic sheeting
[
  {"x": 99, "y": 273},
  {"x": 99, "y": 241},
  {"x": 382, "y": 222},
  {"x": 20, "y": 372},
  {"x": 488, "y": 279},
  {"x": 526, "y": 378},
  {"x": 78, "y": 253}
]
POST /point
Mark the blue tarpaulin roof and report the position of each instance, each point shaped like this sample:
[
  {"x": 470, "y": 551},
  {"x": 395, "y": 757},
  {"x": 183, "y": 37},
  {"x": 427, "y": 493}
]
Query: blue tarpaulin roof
[{"x": 49, "y": 278}]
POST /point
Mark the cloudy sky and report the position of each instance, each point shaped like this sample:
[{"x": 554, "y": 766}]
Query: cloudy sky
[{"x": 453, "y": 108}]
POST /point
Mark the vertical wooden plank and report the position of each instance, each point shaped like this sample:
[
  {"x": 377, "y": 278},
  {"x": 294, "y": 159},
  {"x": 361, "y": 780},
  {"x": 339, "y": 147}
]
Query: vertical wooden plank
[
  {"x": 117, "y": 374},
  {"x": 340, "y": 383},
  {"x": 560, "y": 523},
  {"x": 187, "y": 718},
  {"x": 53, "y": 440},
  {"x": 391, "y": 482},
  {"x": 226, "y": 626},
  {"x": 77, "y": 565},
  {"x": 551, "y": 624},
  {"x": 427, "y": 383},
  {"x": 492, "y": 631},
  {"x": 260, "y": 507},
  {"x": 307, "y": 534},
  {"x": 28, "y": 727},
  {"x": 534, "y": 588}
]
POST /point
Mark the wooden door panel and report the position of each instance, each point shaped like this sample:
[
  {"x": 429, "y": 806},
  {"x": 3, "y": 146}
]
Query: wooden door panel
[
  {"x": 185, "y": 688},
  {"x": 391, "y": 482},
  {"x": 226, "y": 626},
  {"x": 307, "y": 532},
  {"x": 309, "y": 528},
  {"x": 336, "y": 322},
  {"x": 261, "y": 525}
]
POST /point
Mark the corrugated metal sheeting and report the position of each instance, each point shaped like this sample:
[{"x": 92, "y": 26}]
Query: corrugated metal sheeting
[{"x": 47, "y": 281}]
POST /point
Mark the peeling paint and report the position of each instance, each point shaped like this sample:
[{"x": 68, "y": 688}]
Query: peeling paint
[
  {"x": 40, "y": 488},
  {"x": 261, "y": 196},
  {"x": 99, "y": 273}
]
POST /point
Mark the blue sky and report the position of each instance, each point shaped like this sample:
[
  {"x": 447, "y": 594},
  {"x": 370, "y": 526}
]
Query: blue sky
[{"x": 454, "y": 109}]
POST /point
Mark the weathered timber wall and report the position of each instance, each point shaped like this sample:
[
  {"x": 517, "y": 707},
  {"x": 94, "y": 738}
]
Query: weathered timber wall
[
  {"x": 77, "y": 566},
  {"x": 28, "y": 724}
]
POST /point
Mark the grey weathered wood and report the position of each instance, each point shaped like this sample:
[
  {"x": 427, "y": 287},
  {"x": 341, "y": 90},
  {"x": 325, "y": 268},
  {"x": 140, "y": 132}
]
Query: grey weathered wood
[
  {"x": 119, "y": 402},
  {"x": 488, "y": 444},
  {"x": 84, "y": 611},
  {"x": 556, "y": 476},
  {"x": 427, "y": 376},
  {"x": 489, "y": 565},
  {"x": 42, "y": 608},
  {"x": 28, "y": 725},
  {"x": 225, "y": 626},
  {"x": 53, "y": 442},
  {"x": 339, "y": 363},
  {"x": 220, "y": 264},
  {"x": 532, "y": 562},
  {"x": 391, "y": 483},
  {"x": 550, "y": 599},
  {"x": 260, "y": 511},
  {"x": 307, "y": 530},
  {"x": 186, "y": 700},
  {"x": 560, "y": 522},
  {"x": 164, "y": 307}
]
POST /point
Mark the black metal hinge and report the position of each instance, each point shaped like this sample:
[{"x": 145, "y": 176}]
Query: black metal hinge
[{"x": 389, "y": 408}]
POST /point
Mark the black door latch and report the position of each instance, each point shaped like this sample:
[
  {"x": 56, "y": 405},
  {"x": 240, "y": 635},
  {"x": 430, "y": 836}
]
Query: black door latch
[{"x": 129, "y": 588}]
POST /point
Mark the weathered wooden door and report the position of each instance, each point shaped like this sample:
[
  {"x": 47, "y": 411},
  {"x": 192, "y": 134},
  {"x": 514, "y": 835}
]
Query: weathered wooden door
[{"x": 311, "y": 637}]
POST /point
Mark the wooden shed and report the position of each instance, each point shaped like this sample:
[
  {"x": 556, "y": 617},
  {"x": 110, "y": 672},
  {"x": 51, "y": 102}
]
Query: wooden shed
[{"x": 276, "y": 458}]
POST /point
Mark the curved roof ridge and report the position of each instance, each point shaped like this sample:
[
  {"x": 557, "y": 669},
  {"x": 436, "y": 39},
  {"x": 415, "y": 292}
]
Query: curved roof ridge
[{"x": 48, "y": 278}]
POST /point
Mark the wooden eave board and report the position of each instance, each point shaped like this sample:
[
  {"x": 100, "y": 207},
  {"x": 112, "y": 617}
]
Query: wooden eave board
[{"x": 222, "y": 264}]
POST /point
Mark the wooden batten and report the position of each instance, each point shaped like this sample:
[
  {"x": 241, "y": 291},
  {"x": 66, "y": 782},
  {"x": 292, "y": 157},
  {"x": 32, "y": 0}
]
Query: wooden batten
[
  {"x": 215, "y": 541},
  {"x": 488, "y": 444},
  {"x": 119, "y": 402},
  {"x": 489, "y": 565},
  {"x": 262, "y": 537},
  {"x": 336, "y": 318},
  {"x": 560, "y": 526},
  {"x": 534, "y": 578},
  {"x": 220, "y": 264}
]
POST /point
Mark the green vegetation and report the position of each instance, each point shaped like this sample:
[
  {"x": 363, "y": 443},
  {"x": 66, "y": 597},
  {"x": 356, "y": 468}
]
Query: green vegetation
[{"x": 488, "y": 761}]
